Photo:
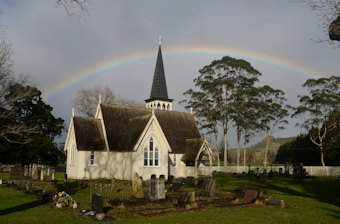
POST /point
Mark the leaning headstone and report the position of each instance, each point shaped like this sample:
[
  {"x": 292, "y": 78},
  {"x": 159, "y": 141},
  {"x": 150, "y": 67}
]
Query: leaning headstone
[
  {"x": 210, "y": 187},
  {"x": 189, "y": 181},
  {"x": 250, "y": 195},
  {"x": 187, "y": 200},
  {"x": 97, "y": 203},
  {"x": 137, "y": 186}
]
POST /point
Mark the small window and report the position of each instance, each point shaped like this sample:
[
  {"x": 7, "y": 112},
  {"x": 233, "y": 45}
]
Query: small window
[
  {"x": 151, "y": 157},
  {"x": 175, "y": 160},
  {"x": 145, "y": 156},
  {"x": 92, "y": 158},
  {"x": 73, "y": 154},
  {"x": 156, "y": 157}
]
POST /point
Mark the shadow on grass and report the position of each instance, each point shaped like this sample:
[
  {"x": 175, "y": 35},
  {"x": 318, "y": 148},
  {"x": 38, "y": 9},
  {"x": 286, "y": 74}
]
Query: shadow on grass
[
  {"x": 70, "y": 187},
  {"x": 23, "y": 207},
  {"x": 322, "y": 189}
]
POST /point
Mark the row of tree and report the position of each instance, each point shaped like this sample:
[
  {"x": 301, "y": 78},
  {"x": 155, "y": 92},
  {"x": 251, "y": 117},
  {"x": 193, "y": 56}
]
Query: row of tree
[{"x": 226, "y": 96}]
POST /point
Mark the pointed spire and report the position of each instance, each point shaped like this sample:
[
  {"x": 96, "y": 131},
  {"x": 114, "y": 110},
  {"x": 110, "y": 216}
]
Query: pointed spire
[{"x": 159, "y": 89}]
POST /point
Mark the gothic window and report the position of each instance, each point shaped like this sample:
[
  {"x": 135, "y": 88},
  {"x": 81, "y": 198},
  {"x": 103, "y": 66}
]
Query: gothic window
[
  {"x": 73, "y": 154},
  {"x": 163, "y": 107},
  {"x": 145, "y": 156},
  {"x": 175, "y": 160},
  {"x": 92, "y": 158},
  {"x": 168, "y": 107},
  {"x": 156, "y": 157},
  {"x": 151, "y": 152}
]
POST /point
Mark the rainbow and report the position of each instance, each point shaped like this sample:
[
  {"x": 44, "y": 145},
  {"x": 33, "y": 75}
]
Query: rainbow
[{"x": 92, "y": 71}]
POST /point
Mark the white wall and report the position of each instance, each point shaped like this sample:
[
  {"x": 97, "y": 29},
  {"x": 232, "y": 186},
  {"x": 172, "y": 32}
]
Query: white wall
[
  {"x": 160, "y": 143},
  {"x": 119, "y": 165}
]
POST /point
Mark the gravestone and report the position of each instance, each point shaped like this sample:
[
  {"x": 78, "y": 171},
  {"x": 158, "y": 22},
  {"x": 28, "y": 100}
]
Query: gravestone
[
  {"x": 187, "y": 200},
  {"x": 161, "y": 187},
  {"x": 97, "y": 203},
  {"x": 65, "y": 178},
  {"x": 53, "y": 173},
  {"x": 250, "y": 195},
  {"x": 170, "y": 179},
  {"x": 280, "y": 171},
  {"x": 177, "y": 185},
  {"x": 0, "y": 181},
  {"x": 156, "y": 188},
  {"x": 189, "y": 181},
  {"x": 200, "y": 183},
  {"x": 17, "y": 172},
  {"x": 30, "y": 188},
  {"x": 137, "y": 186},
  {"x": 42, "y": 174},
  {"x": 23, "y": 184},
  {"x": 35, "y": 171},
  {"x": 210, "y": 187}
]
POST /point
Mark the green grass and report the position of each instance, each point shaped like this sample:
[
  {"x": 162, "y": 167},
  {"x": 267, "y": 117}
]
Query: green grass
[{"x": 315, "y": 200}]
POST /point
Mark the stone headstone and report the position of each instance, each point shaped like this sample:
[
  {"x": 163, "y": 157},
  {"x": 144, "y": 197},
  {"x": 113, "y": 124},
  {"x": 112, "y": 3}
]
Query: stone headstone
[
  {"x": 35, "y": 171},
  {"x": 97, "y": 203},
  {"x": 210, "y": 187},
  {"x": 17, "y": 172},
  {"x": 200, "y": 183},
  {"x": 0, "y": 181},
  {"x": 161, "y": 188},
  {"x": 170, "y": 179},
  {"x": 156, "y": 189},
  {"x": 280, "y": 170},
  {"x": 187, "y": 200},
  {"x": 53, "y": 173},
  {"x": 180, "y": 180},
  {"x": 23, "y": 184},
  {"x": 42, "y": 174},
  {"x": 250, "y": 195},
  {"x": 137, "y": 186},
  {"x": 189, "y": 181},
  {"x": 65, "y": 178}
]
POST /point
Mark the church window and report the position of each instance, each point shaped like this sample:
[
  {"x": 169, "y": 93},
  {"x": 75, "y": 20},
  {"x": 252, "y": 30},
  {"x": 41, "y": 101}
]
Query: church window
[
  {"x": 151, "y": 152},
  {"x": 156, "y": 157},
  {"x": 175, "y": 160},
  {"x": 158, "y": 106},
  {"x": 145, "y": 156},
  {"x": 92, "y": 158},
  {"x": 163, "y": 107},
  {"x": 73, "y": 154},
  {"x": 168, "y": 107}
]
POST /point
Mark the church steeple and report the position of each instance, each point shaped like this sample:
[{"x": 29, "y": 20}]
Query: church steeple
[{"x": 159, "y": 94}]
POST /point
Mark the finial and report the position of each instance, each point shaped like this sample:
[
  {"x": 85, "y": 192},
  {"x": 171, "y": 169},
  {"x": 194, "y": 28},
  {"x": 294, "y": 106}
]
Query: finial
[
  {"x": 160, "y": 40},
  {"x": 72, "y": 111},
  {"x": 191, "y": 110},
  {"x": 100, "y": 98}
]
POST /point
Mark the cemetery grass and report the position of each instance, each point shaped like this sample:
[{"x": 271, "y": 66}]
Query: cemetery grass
[{"x": 315, "y": 200}]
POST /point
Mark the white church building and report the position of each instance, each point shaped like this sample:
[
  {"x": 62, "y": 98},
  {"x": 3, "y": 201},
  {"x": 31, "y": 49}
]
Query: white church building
[{"x": 122, "y": 140}]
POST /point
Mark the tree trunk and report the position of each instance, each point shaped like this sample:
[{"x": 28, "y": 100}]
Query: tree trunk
[
  {"x": 217, "y": 151},
  {"x": 238, "y": 147},
  {"x": 266, "y": 150},
  {"x": 225, "y": 149},
  {"x": 322, "y": 161},
  {"x": 244, "y": 155}
]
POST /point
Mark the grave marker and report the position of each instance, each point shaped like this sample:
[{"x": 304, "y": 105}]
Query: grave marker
[{"x": 97, "y": 203}]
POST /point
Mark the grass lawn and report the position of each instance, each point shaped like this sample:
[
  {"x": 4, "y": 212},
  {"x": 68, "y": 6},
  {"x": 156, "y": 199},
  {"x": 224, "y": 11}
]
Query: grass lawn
[{"x": 314, "y": 200}]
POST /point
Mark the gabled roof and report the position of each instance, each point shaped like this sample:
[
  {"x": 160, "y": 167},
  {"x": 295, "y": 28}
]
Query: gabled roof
[
  {"x": 125, "y": 124},
  {"x": 159, "y": 90},
  {"x": 88, "y": 134}
]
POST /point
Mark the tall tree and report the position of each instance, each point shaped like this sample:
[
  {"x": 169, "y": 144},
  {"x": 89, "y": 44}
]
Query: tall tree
[
  {"x": 271, "y": 114},
  {"x": 15, "y": 132},
  {"x": 33, "y": 111},
  {"x": 322, "y": 101},
  {"x": 87, "y": 100}
]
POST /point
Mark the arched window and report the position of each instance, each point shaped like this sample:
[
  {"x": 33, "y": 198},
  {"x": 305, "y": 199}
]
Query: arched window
[
  {"x": 168, "y": 107},
  {"x": 151, "y": 152},
  {"x": 163, "y": 106},
  {"x": 92, "y": 158},
  {"x": 175, "y": 160},
  {"x": 158, "y": 106},
  {"x": 145, "y": 156},
  {"x": 156, "y": 157}
]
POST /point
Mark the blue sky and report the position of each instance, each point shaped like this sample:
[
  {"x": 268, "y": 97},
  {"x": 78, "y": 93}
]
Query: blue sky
[{"x": 52, "y": 47}]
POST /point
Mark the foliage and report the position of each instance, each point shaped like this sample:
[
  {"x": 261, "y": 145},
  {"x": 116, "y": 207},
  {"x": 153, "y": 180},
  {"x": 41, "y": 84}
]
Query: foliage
[
  {"x": 32, "y": 111},
  {"x": 299, "y": 172},
  {"x": 322, "y": 101}
]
